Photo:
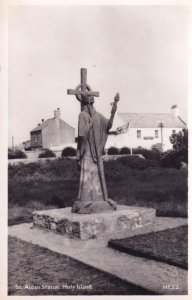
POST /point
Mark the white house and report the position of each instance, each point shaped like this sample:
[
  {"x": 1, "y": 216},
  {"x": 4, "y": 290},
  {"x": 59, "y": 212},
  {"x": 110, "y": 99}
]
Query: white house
[
  {"x": 54, "y": 133},
  {"x": 146, "y": 129}
]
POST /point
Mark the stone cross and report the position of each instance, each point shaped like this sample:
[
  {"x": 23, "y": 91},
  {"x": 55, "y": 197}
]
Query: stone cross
[{"x": 83, "y": 88}]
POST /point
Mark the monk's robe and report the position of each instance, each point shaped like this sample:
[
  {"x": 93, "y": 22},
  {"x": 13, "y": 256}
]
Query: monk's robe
[{"x": 92, "y": 137}]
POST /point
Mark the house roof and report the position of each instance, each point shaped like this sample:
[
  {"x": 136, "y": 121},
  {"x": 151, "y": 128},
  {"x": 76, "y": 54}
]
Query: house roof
[
  {"x": 45, "y": 123},
  {"x": 152, "y": 120},
  {"x": 41, "y": 126}
]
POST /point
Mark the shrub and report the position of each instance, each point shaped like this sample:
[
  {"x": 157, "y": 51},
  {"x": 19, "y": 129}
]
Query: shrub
[
  {"x": 16, "y": 154},
  {"x": 172, "y": 159},
  {"x": 47, "y": 153},
  {"x": 124, "y": 150},
  {"x": 180, "y": 141},
  {"x": 149, "y": 154},
  {"x": 113, "y": 151},
  {"x": 69, "y": 151},
  {"x": 52, "y": 170},
  {"x": 135, "y": 162}
]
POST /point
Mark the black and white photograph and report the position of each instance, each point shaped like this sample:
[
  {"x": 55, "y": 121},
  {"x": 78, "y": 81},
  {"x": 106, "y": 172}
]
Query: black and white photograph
[{"x": 97, "y": 148}]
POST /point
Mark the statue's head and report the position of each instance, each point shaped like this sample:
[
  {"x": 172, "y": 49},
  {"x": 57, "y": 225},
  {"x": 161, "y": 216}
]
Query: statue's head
[{"x": 87, "y": 99}]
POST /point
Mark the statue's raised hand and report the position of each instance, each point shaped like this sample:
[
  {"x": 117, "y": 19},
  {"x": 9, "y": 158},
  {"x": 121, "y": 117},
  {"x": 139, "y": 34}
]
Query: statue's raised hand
[
  {"x": 117, "y": 97},
  {"x": 114, "y": 104}
]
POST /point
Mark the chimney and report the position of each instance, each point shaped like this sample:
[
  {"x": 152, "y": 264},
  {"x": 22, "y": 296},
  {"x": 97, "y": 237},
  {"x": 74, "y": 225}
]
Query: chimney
[
  {"x": 42, "y": 120},
  {"x": 57, "y": 113},
  {"x": 175, "y": 110}
]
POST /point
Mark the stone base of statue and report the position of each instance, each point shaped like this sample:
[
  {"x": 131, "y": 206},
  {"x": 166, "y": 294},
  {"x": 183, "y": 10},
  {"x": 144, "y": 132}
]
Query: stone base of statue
[
  {"x": 91, "y": 207},
  {"x": 86, "y": 226}
]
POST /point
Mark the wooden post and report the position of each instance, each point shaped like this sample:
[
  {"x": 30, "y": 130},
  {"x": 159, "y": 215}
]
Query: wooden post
[{"x": 161, "y": 125}]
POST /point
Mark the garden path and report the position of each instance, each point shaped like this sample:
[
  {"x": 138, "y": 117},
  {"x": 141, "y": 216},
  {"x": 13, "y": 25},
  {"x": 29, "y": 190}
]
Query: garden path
[{"x": 143, "y": 272}]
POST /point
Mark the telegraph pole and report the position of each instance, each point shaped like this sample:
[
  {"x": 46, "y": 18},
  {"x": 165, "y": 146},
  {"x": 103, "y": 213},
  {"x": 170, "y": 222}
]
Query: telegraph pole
[{"x": 161, "y": 125}]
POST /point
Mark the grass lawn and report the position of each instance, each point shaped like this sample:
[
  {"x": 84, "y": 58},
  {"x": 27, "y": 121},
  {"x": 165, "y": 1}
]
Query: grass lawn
[
  {"x": 169, "y": 246},
  {"x": 31, "y": 265}
]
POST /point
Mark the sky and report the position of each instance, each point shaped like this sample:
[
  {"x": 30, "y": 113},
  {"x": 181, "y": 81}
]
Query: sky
[{"x": 138, "y": 51}]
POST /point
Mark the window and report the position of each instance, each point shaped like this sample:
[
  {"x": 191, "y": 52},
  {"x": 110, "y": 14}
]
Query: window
[
  {"x": 138, "y": 134},
  {"x": 156, "y": 133},
  {"x": 173, "y": 131},
  {"x": 35, "y": 138}
]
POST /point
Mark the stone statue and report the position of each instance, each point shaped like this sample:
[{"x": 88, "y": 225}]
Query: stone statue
[{"x": 93, "y": 130}]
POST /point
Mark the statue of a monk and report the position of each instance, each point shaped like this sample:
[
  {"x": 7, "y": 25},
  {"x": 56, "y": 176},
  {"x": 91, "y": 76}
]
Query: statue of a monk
[{"x": 93, "y": 130}]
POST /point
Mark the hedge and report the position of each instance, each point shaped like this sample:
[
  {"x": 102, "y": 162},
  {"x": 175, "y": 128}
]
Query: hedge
[
  {"x": 47, "y": 153},
  {"x": 68, "y": 151},
  {"x": 173, "y": 159},
  {"x": 113, "y": 151},
  {"x": 149, "y": 154},
  {"x": 124, "y": 150},
  {"x": 16, "y": 154},
  {"x": 136, "y": 162}
]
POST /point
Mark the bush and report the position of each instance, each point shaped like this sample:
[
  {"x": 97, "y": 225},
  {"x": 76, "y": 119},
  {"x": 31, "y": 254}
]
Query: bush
[
  {"x": 135, "y": 162},
  {"x": 69, "y": 151},
  {"x": 16, "y": 154},
  {"x": 153, "y": 154},
  {"x": 47, "y": 153},
  {"x": 172, "y": 159},
  {"x": 124, "y": 150},
  {"x": 180, "y": 141},
  {"x": 52, "y": 170},
  {"x": 113, "y": 151}
]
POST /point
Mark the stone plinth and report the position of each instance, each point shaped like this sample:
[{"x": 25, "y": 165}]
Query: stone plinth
[{"x": 86, "y": 226}]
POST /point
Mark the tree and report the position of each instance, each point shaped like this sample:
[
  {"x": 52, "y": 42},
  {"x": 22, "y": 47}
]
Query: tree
[
  {"x": 180, "y": 141},
  {"x": 179, "y": 154}
]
